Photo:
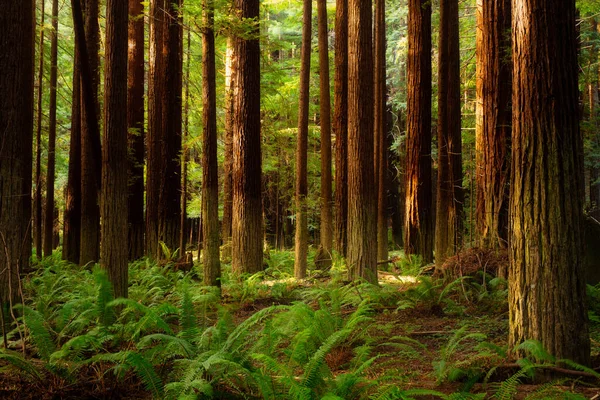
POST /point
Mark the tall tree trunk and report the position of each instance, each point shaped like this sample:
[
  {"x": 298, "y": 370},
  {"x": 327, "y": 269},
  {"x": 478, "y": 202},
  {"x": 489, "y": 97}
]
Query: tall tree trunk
[
  {"x": 72, "y": 216},
  {"x": 493, "y": 127},
  {"x": 37, "y": 219},
  {"x": 448, "y": 231},
  {"x": 51, "y": 166},
  {"x": 135, "y": 124},
  {"x": 381, "y": 132},
  {"x": 91, "y": 157},
  {"x": 362, "y": 216},
  {"x": 247, "y": 222},
  {"x": 301, "y": 241},
  {"x": 210, "y": 174},
  {"x": 16, "y": 136},
  {"x": 419, "y": 228},
  {"x": 169, "y": 205},
  {"x": 114, "y": 249},
  {"x": 595, "y": 172},
  {"x": 186, "y": 151},
  {"x": 547, "y": 290},
  {"x": 325, "y": 104},
  {"x": 230, "y": 74},
  {"x": 156, "y": 88},
  {"x": 396, "y": 165},
  {"x": 340, "y": 126}
]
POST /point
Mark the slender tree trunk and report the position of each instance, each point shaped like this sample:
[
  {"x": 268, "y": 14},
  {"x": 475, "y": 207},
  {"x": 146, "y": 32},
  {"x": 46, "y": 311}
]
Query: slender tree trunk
[
  {"x": 381, "y": 132},
  {"x": 362, "y": 216},
  {"x": 247, "y": 221},
  {"x": 301, "y": 241},
  {"x": 156, "y": 88},
  {"x": 16, "y": 136},
  {"x": 186, "y": 151},
  {"x": 114, "y": 249},
  {"x": 595, "y": 172},
  {"x": 38, "y": 144},
  {"x": 210, "y": 176},
  {"x": 396, "y": 173},
  {"x": 493, "y": 127},
  {"x": 72, "y": 216},
  {"x": 135, "y": 124},
  {"x": 448, "y": 231},
  {"x": 419, "y": 228},
  {"x": 547, "y": 290},
  {"x": 91, "y": 157},
  {"x": 169, "y": 205},
  {"x": 51, "y": 166},
  {"x": 340, "y": 126},
  {"x": 325, "y": 104},
  {"x": 230, "y": 74}
]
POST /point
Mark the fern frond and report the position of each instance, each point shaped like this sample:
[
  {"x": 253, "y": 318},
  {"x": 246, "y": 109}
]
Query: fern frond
[
  {"x": 17, "y": 361},
  {"x": 146, "y": 372},
  {"x": 40, "y": 333}
]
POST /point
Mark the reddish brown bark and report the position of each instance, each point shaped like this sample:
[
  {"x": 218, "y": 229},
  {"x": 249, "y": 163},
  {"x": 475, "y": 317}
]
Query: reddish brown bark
[
  {"x": 419, "y": 229},
  {"x": 37, "y": 218},
  {"x": 230, "y": 74}
]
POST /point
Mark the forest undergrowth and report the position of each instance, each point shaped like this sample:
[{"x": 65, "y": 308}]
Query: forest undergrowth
[{"x": 268, "y": 336}]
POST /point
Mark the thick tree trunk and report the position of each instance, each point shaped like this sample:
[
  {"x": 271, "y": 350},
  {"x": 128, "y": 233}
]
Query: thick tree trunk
[
  {"x": 135, "y": 124},
  {"x": 493, "y": 127},
  {"x": 325, "y": 104},
  {"x": 301, "y": 241},
  {"x": 448, "y": 231},
  {"x": 547, "y": 290},
  {"x": 210, "y": 174},
  {"x": 16, "y": 135},
  {"x": 230, "y": 75},
  {"x": 381, "y": 133},
  {"x": 91, "y": 157},
  {"x": 419, "y": 228},
  {"x": 169, "y": 205},
  {"x": 362, "y": 215},
  {"x": 37, "y": 219},
  {"x": 185, "y": 152},
  {"x": 51, "y": 166},
  {"x": 340, "y": 126},
  {"x": 114, "y": 249},
  {"x": 247, "y": 222},
  {"x": 595, "y": 171},
  {"x": 72, "y": 216},
  {"x": 156, "y": 88}
]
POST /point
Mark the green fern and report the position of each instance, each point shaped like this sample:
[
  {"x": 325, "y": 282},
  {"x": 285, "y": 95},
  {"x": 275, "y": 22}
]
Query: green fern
[
  {"x": 16, "y": 360},
  {"x": 40, "y": 334},
  {"x": 146, "y": 372}
]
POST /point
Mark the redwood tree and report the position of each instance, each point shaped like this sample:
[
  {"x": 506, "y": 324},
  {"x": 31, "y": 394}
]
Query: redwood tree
[
  {"x": 210, "y": 177},
  {"x": 493, "y": 124},
  {"x": 418, "y": 228},
  {"x": 16, "y": 135},
  {"x": 247, "y": 222},
  {"x": 301, "y": 241},
  {"x": 37, "y": 202},
  {"x": 230, "y": 75},
  {"x": 449, "y": 183},
  {"x": 362, "y": 216},
  {"x": 547, "y": 290},
  {"x": 114, "y": 249},
  {"x": 135, "y": 124},
  {"x": 340, "y": 125}
]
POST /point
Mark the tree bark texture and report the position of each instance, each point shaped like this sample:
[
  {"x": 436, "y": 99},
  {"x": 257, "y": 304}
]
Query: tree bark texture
[
  {"x": 325, "y": 113},
  {"x": 301, "y": 241},
  {"x": 91, "y": 153},
  {"x": 156, "y": 89},
  {"x": 396, "y": 164},
  {"x": 230, "y": 74},
  {"x": 210, "y": 174},
  {"x": 340, "y": 126},
  {"x": 114, "y": 249},
  {"x": 16, "y": 135},
  {"x": 51, "y": 166},
  {"x": 72, "y": 216},
  {"x": 381, "y": 133},
  {"x": 419, "y": 228},
  {"x": 247, "y": 222},
  {"x": 547, "y": 290},
  {"x": 169, "y": 204},
  {"x": 37, "y": 218},
  {"x": 362, "y": 204},
  {"x": 135, "y": 124},
  {"x": 493, "y": 126},
  {"x": 450, "y": 198}
]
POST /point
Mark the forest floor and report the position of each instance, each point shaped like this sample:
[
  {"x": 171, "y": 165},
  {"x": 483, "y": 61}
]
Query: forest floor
[{"x": 425, "y": 339}]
